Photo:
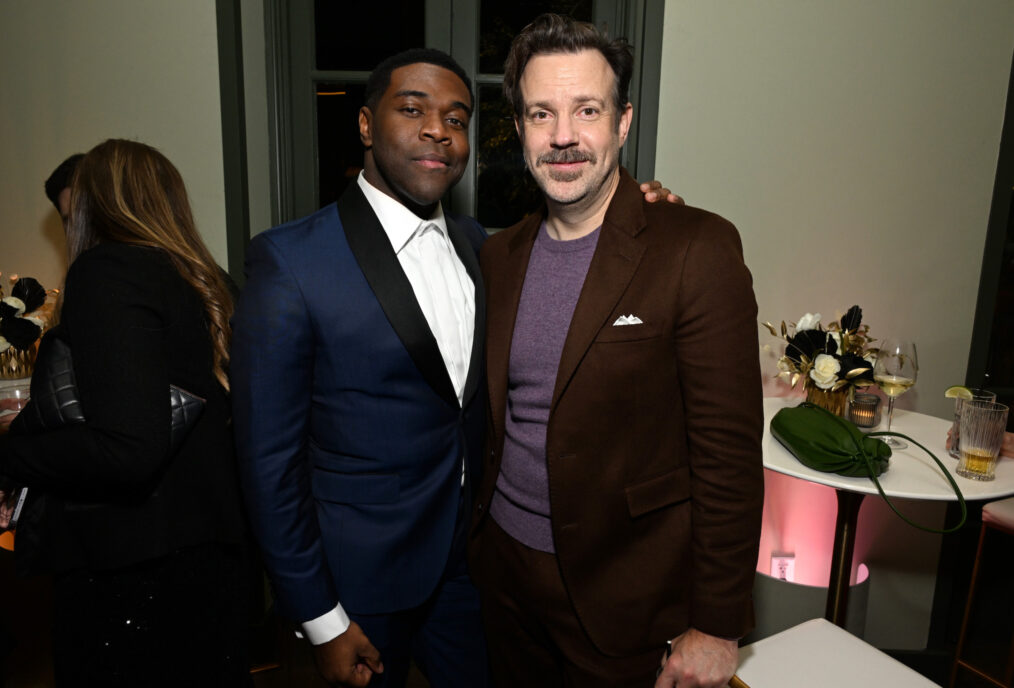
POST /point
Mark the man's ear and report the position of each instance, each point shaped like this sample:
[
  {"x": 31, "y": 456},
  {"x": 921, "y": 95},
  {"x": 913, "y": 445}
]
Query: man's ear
[
  {"x": 366, "y": 127},
  {"x": 520, "y": 129},
  {"x": 626, "y": 117}
]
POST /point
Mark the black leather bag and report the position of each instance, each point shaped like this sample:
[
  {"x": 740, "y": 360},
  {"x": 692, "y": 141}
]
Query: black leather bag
[{"x": 55, "y": 403}]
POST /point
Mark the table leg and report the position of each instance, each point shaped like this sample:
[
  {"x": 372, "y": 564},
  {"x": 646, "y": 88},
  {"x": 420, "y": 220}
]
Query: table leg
[{"x": 841, "y": 556}]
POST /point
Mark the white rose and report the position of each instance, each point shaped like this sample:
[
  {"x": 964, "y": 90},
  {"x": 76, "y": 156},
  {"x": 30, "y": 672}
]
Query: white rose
[
  {"x": 33, "y": 319},
  {"x": 825, "y": 371},
  {"x": 810, "y": 321},
  {"x": 15, "y": 303},
  {"x": 4, "y": 345}
]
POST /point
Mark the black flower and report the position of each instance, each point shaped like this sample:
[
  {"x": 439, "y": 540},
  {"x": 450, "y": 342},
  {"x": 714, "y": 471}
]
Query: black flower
[
  {"x": 809, "y": 343},
  {"x": 7, "y": 310},
  {"x": 856, "y": 369},
  {"x": 20, "y": 332},
  {"x": 851, "y": 321},
  {"x": 30, "y": 291}
]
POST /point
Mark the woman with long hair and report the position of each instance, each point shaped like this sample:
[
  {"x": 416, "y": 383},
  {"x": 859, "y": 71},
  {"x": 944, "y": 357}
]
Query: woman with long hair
[{"x": 145, "y": 544}]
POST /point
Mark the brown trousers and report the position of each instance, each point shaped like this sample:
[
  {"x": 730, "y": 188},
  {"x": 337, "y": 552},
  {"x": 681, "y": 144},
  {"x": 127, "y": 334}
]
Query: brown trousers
[{"x": 535, "y": 637}]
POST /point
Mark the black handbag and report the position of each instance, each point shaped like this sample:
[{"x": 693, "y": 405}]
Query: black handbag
[
  {"x": 54, "y": 401},
  {"x": 828, "y": 443}
]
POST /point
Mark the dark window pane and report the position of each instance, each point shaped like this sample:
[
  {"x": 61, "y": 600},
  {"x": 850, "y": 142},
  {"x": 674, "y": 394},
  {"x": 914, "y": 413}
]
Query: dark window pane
[
  {"x": 506, "y": 192},
  {"x": 339, "y": 150},
  {"x": 355, "y": 36},
  {"x": 501, "y": 20}
]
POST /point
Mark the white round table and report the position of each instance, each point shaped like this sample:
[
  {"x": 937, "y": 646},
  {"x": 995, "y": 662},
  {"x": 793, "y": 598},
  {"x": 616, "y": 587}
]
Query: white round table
[{"x": 911, "y": 475}]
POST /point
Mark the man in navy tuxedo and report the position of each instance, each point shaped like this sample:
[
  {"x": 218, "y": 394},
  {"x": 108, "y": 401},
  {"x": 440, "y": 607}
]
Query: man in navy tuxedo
[
  {"x": 356, "y": 376},
  {"x": 358, "y": 395}
]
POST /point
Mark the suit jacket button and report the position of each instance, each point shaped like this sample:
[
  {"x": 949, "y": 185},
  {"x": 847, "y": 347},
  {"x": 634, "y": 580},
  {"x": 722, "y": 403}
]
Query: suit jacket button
[{"x": 478, "y": 507}]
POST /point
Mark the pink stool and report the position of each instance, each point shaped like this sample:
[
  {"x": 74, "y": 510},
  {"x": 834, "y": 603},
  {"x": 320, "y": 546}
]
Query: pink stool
[{"x": 1000, "y": 516}]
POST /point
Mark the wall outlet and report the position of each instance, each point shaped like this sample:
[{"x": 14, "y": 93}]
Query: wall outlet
[{"x": 783, "y": 566}]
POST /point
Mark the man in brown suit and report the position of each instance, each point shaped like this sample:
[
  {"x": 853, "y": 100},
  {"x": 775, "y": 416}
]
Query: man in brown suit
[{"x": 621, "y": 501}]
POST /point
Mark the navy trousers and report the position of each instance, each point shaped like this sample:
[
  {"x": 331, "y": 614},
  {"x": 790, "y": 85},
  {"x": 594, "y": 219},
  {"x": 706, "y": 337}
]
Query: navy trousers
[{"x": 444, "y": 636}]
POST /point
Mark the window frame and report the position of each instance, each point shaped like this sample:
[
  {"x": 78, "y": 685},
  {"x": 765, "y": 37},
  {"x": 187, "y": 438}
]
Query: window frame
[{"x": 451, "y": 26}]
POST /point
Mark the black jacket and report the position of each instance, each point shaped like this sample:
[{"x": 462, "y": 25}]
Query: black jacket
[{"x": 109, "y": 493}]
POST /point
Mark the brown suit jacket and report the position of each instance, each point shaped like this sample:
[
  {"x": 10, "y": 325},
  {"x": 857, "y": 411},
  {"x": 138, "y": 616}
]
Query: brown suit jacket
[{"x": 653, "y": 444}]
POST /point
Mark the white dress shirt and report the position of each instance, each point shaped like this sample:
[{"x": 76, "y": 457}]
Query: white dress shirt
[{"x": 446, "y": 295}]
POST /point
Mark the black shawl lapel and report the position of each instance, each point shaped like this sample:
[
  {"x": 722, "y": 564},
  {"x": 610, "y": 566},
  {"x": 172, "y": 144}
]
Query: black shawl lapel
[
  {"x": 467, "y": 253},
  {"x": 376, "y": 258}
]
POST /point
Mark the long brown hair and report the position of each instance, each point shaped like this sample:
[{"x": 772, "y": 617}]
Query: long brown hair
[{"x": 128, "y": 192}]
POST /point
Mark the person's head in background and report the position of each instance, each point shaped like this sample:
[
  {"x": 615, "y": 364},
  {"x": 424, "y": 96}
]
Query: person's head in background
[
  {"x": 58, "y": 185},
  {"x": 128, "y": 192}
]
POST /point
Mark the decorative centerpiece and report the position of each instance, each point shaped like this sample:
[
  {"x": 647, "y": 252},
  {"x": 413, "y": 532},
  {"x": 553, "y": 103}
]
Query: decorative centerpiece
[
  {"x": 24, "y": 314},
  {"x": 832, "y": 362}
]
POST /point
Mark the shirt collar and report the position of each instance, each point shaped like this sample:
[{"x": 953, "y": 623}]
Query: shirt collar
[{"x": 399, "y": 223}]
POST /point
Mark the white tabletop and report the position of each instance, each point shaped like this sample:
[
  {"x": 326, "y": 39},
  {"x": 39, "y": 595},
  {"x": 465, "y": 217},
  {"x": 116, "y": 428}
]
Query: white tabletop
[
  {"x": 818, "y": 653},
  {"x": 912, "y": 473}
]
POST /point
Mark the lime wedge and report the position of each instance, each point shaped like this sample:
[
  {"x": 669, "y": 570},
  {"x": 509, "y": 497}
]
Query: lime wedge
[{"x": 958, "y": 392}]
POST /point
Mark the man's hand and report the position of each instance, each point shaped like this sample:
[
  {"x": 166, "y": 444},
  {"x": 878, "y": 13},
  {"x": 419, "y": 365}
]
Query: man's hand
[
  {"x": 699, "y": 660},
  {"x": 654, "y": 191},
  {"x": 348, "y": 660},
  {"x": 6, "y": 508}
]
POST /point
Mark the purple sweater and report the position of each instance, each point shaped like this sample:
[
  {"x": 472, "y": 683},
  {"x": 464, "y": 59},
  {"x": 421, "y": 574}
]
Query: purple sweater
[{"x": 556, "y": 274}]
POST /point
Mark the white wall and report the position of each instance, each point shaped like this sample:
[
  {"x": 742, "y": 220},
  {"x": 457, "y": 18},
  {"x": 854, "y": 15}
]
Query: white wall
[
  {"x": 854, "y": 144},
  {"x": 76, "y": 73}
]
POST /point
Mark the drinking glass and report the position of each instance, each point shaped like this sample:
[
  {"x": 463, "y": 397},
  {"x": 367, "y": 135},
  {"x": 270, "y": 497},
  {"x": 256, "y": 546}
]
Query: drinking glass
[
  {"x": 12, "y": 399},
  {"x": 894, "y": 372},
  {"x": 977, "y": 395},
  {"x": 983, "y": 424}
]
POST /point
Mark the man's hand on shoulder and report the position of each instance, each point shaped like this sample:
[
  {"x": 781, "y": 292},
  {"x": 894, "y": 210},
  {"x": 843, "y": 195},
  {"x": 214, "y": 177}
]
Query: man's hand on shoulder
[
  {"x": 654, "y": 191},
  {"x": 699, "y": 660},
  {"x": 349, "y": 659}
]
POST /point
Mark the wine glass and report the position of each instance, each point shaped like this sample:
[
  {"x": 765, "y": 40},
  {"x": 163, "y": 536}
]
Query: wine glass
[{"x": 894, "y": 372}]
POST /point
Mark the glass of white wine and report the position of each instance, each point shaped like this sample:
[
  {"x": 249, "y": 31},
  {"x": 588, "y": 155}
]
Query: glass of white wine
[{"x": 894, "y": 372}]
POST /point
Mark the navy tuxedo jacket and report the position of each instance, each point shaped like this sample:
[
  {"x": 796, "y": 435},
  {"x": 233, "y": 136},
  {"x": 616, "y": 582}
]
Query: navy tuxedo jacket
[{"x": 349, "y": 433}]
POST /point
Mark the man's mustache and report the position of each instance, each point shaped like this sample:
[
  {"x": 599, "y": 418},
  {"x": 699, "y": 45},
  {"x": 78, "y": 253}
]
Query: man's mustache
[{"x": 564, "y": 156}]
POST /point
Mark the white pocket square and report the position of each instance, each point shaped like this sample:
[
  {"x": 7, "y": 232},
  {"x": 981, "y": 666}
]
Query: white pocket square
[{"x": 628, "y": 320}]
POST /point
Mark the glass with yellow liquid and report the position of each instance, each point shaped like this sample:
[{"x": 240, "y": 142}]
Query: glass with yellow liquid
[
  {"x": 977, "y": 395},
  {"x": 983, "y": 424},
  {"x": 894, "y": 372}
]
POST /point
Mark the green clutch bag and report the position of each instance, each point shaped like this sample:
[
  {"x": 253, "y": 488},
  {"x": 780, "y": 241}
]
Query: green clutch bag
[{"x": 830, "y": 444}]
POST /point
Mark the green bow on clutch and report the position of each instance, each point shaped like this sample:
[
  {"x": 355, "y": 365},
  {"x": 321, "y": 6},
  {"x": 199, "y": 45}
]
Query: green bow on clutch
[{"x": 830, "y": 444}]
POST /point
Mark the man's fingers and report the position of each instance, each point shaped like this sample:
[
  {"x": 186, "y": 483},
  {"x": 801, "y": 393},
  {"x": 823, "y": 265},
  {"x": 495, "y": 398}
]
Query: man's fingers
[{"x": 371, "y": 657}]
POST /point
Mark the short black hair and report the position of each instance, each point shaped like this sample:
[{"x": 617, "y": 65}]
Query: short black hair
[
  {"x": 380, "y": 78},
  {"x": 61, "y": 178}
]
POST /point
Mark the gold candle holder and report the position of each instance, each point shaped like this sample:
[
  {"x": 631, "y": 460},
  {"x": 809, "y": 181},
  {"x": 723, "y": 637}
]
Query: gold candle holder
[
  {"x": 864, "y": 410},
  {"x": 15, "y": 364}
]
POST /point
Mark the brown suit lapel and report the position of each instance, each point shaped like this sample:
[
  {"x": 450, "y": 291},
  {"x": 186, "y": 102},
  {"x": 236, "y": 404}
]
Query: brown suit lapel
[
  {"x": 615, "y": 261},
  {"x": 504, "y": 288}
]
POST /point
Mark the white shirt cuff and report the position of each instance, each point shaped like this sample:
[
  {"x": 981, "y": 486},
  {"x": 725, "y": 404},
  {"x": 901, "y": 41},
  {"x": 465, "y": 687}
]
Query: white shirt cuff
[{"x": 325, "y": 627}]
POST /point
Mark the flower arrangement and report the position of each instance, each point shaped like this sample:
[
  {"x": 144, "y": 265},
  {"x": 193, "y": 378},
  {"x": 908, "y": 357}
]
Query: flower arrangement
[
  {"x": 830, "y": 361},
  {"x": 23, "y": 316}
]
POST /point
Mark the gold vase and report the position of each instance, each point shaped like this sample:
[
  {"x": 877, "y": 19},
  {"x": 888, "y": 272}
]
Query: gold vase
[
  {"x": 16, "y": 364},
  {"x": 835, "y": 402}
]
